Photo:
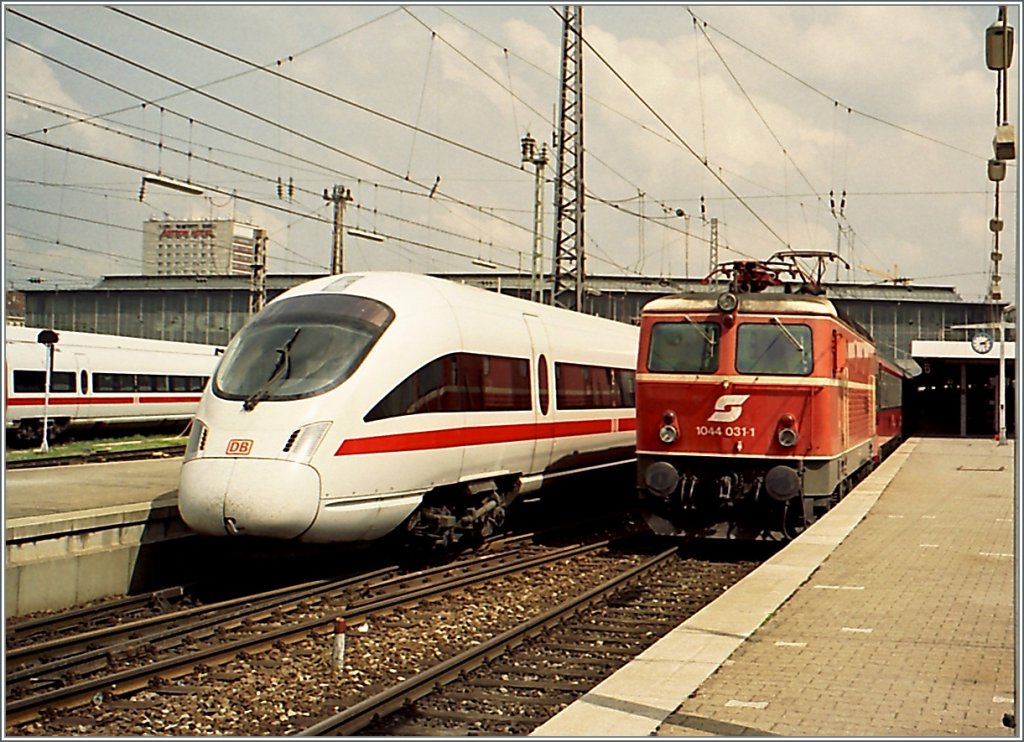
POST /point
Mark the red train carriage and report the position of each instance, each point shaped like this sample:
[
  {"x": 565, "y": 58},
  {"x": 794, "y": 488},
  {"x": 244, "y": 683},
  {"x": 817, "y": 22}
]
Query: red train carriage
[{"x": 756, "y": 410}]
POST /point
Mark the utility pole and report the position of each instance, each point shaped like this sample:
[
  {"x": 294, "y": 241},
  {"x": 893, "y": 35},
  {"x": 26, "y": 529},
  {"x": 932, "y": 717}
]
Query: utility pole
[
  {"x": 538, "y": 159},
  {"x": 258, "y": 278},
  {"x": 998, "y": 58},
  {"x": 339, "y": 196},
  {"x": 568, "y": 274},
  {"x": 713, "y": 243}
]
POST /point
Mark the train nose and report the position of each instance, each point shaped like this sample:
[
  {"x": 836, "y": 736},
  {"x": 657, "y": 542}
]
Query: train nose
[{"x": 276, "y": 499}]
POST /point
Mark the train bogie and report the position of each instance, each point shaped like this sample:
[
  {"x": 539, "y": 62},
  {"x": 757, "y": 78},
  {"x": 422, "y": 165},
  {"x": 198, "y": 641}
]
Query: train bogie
[{"x": 445, "y": 405}]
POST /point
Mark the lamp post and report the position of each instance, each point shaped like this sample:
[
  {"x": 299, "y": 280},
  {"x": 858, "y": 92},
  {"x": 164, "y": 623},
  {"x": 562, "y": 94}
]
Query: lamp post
[
  {"x": 1002, "y": 372},
  {"x": 48, "y": 338},
  {"x": 537, "y": 158}
]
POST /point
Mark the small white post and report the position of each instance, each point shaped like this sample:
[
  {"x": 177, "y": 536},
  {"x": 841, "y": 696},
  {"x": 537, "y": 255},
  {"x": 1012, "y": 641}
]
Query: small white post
[{"x": 338, "y": 653}]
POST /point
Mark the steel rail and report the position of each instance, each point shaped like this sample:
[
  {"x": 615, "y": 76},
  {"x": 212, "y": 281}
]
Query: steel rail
[
  {"x": 82, "y": 648},
  {"x": 98, "y": 457},
  {"x": 89, "y": 613},
  {"x": 119, "y": 683},
  {"x": 360, "y": 715}
]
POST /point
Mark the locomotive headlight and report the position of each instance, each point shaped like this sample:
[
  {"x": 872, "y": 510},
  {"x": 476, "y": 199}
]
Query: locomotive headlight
[
  {"x": 727, "y": 302},
  {"x": 787, "y": 434},
  {"x": 303, "y": 442},
  {"x": 196, "y": 440},
  {"x": 668, "y": 434}
]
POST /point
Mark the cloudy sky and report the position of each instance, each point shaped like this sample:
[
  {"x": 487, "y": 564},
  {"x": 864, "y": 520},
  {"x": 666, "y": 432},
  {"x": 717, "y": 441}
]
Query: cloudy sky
[{"x": 749, "y": 115}]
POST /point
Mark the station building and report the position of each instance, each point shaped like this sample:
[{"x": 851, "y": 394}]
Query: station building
[{"x": 955, "y": 394}]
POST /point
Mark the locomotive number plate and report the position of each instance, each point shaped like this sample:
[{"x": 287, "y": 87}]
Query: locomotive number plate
[
  {"x": 729, "y": 431},
  {"x": 239, "y": 447}
]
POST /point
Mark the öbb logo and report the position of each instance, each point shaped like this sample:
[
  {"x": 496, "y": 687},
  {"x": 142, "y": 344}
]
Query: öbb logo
[
  {"x": 239, "y": 447},
  {"x": 728, "y": 408}
]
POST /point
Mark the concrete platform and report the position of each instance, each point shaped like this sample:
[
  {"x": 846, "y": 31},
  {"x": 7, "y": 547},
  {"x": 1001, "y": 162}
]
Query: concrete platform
[
  {"x": 73, "y": 534},
  {"x": 66, "y": 489},
  {"x": 892, "y": 616}
]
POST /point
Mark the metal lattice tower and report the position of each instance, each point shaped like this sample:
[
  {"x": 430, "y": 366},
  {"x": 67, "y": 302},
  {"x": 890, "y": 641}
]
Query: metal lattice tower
[{"x": 568, "y": 274}]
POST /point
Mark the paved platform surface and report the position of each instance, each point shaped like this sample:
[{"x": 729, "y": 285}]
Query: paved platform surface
[
  {"x": 66, "y": 489},
  {"x": 892, "y": 616}
]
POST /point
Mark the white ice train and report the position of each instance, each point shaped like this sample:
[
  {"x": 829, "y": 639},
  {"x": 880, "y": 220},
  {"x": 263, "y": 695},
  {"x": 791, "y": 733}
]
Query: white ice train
[
  {"x": 99, "y": 380},
  {"x": 355, "y": 404}
]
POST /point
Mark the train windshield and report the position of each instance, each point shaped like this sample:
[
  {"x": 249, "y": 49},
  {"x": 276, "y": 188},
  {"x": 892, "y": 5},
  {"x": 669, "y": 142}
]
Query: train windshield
[
  {"x": 774, "y": 348},
  {"x": 300, "y": 347},
  {"x": 684, "y": 347}
]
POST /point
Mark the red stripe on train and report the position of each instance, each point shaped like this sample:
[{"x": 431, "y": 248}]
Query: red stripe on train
[
  {"x": 482, "y": 435},
  {"x": 55, "y": 401}
]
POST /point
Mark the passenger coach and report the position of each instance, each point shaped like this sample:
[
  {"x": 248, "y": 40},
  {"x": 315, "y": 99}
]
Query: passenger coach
[{"x": 98, "y": 381}]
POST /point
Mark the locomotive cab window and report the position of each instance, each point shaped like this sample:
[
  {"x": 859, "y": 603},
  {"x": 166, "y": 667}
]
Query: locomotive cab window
[
  {"x": 300, "y": 347},
  {"x": 774, "y": 348},
  {"x": 684, "y": 347}
]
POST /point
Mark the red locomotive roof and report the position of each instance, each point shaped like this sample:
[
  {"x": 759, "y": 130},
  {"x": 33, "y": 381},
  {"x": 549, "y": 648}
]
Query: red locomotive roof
[{"x": 770, "y": 303}]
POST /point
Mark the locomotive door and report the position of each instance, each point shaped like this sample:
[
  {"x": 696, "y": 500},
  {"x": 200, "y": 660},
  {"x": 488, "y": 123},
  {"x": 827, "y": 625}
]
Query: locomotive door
[{"x": 542, "y": 392}]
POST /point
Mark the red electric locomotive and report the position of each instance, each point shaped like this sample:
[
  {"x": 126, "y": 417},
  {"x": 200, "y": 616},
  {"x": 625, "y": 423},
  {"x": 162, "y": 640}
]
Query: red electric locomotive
[{"x": 757, "y": 406}]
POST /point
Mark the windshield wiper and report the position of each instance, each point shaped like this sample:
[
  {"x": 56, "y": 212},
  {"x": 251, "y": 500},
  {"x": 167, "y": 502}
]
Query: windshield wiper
[
  {"x": 281, "y": 370},
  {"x": 710, "y": 340},
  {"x": 789, "y": 336}
]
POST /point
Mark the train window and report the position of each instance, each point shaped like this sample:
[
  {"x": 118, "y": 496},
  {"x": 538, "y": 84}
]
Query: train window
[
  {"x": 889, "y": 391},
  {"x": 300, "y": 347},
  {"x": 684, "y": 347},
  {"x": 579, "y": 387},
  {"x": 85, "y": 382},
  {"x": 35, "y": 381},
  {"x": 774, "y": 348},
  {"x": 460, "y": 382},
  {"x": 105, "y": 382},
  {"x": 542, "y": 381}
]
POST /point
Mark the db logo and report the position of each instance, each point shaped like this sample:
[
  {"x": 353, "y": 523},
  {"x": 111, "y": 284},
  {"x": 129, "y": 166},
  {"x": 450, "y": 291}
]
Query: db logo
[
  {"x": 728, "y": 407},
  {"x": 239, "y": 447}
]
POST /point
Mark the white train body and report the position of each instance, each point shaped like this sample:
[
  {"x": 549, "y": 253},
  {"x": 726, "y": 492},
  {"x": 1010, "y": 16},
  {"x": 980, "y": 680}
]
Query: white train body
[
  {"x": 100, "y": 380},
  {"x": 438, "y": 401}
]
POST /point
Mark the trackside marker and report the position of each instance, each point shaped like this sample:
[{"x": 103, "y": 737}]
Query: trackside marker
[{"x": 338, "y": 653}]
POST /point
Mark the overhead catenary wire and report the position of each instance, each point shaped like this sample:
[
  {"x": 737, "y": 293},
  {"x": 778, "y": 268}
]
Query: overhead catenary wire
[
  {"x": 265, "y": 204},
  {"x": 325, "y": 145},
  {"x": 851, "y": 109},
  {"x": 676, "y": 134}
]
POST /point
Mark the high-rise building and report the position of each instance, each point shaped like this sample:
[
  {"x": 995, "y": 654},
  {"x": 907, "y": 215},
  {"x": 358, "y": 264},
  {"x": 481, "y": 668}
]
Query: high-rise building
[{"x": 214, "y": 247}]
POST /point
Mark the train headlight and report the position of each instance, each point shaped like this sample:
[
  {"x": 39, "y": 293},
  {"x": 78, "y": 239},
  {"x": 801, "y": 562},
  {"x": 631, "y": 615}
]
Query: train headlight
[
  {"x": 787, "y": 434},
  {"x": 196, "y": 440},
  {"x": 728, "y": 302},
  {"x": 668, "y": 434},
  {"x": 302, "y": 443}
]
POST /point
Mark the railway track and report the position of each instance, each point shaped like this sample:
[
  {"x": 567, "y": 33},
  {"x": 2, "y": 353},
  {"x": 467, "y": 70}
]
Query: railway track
[
  {"x": 519, "y": 679},
  {"x": 97, "y": 457},
  {"x": 101, "y": 669}
]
